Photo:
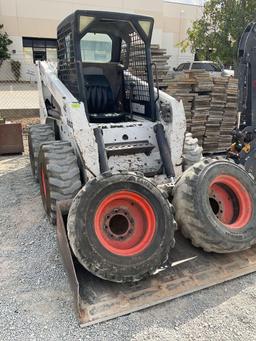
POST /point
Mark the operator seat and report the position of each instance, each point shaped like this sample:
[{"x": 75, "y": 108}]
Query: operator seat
[
  {"x": 104, "y": 85},
  {"x": 99, "y": 94}
]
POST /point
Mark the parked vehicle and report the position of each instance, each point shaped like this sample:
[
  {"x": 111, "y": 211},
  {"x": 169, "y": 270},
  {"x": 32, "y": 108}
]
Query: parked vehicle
[{"x": 214, "y": 68}]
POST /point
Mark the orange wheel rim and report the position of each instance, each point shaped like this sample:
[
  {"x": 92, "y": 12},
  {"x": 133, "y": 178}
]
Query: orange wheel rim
[
  {"x": 125, "y": 223},
  {"x": 230, "y": 201}
]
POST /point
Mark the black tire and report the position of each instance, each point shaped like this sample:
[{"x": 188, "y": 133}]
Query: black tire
[
  {"x": 59, "y": 175},
  {"x": 96, "y": 255},
  {"x": 38, "y": 134},
  {"x": 209, "y": 207}
]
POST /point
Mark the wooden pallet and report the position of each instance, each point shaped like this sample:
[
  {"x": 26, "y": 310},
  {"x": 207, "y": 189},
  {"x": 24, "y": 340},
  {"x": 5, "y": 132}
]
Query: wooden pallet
[{"x": 210, "y": 105}]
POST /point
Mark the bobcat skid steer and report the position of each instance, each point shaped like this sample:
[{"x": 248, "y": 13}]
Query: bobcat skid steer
[{"x": 108, "y": 157}]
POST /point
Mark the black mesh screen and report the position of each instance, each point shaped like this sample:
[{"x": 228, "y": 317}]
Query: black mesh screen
[
  {"x": 137, "y": 66},
  {"x": 67, "y": 67}
]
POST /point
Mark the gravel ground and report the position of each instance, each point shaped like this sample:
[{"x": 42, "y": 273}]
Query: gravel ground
[{"x": 36, "y": 302}]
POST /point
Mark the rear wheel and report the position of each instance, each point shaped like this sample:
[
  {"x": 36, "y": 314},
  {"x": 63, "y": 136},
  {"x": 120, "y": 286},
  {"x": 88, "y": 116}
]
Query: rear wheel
[
  {"x": 59, "y": 175},
  {"x": 121, "y": 227},
  {"x": 215, "y": 206},
  {"x": 38, "y": 134}
]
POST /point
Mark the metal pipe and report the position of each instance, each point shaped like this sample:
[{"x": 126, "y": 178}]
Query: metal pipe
[
  {"x": 103, "y": 159},
  {"x": 164, "y": 150}
]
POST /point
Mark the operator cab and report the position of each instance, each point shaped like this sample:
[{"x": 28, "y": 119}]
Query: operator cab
[{"x": 105, "y": 61}]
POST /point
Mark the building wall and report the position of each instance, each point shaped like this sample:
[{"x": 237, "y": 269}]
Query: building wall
[{"x": 39, "y": 18}]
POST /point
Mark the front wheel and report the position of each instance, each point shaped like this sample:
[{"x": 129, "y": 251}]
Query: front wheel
[
  {"x": 215, "y": 206},
  {"x": 38, "y": 134},
  {"x": 59, "y": 175},
  {"x": 121, "y": 227}
]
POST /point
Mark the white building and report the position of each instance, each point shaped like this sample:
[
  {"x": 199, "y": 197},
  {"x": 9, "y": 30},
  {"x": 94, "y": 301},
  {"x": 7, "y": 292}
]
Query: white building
[{"x": 31, "y": 24}]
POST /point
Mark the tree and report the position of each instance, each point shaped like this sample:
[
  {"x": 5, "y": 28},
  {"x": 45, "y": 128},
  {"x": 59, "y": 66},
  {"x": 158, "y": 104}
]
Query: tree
[
  {"x": 216, "y": 34},
  {"x": 4, "y": 43}
]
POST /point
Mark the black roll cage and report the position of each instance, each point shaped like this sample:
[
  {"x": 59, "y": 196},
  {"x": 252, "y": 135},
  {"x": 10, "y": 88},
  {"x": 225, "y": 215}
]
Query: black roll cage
[{"x": 122, "y": 21}]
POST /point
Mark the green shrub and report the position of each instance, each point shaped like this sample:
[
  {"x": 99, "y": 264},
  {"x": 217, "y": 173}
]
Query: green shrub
[{"x": 4, "y": 43}]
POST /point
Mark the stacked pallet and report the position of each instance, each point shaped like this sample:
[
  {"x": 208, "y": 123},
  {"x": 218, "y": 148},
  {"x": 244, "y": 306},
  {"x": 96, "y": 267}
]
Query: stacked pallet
[
  {"x": 216, "y": 112},
  {"x": 180, "y": 88},
  {"x": 193, "y": 88},
  {"x": 210, "y": 105},
  {"x": 201, "y": 103},
  {"x": 230, "y": 114},
  {"x": 200, "y": 113},
  {"x": 159, "y": 57},
  {"x": 203, "y": 80}
]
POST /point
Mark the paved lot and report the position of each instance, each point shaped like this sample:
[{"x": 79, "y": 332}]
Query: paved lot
[{"x": 35, "y": 299}]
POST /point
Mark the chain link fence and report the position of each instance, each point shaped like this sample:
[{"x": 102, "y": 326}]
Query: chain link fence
[{"x": 18, "y": 89}]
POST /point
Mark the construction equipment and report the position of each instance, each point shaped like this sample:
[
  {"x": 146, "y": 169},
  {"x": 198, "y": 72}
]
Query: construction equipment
[
  {"x": 243, "y": 149},
  {"x": 108, "y": 157}
]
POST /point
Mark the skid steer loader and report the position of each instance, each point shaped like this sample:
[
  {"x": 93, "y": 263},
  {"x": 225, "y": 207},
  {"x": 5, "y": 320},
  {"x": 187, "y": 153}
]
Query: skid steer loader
[{"x": 108, "y": 157}]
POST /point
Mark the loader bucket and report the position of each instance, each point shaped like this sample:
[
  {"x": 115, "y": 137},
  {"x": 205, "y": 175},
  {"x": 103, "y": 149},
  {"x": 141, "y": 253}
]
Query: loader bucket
[{"x": 190, "y": 269}]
